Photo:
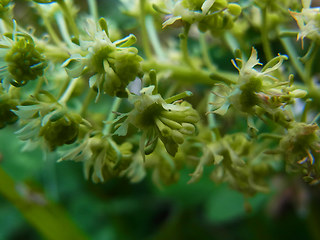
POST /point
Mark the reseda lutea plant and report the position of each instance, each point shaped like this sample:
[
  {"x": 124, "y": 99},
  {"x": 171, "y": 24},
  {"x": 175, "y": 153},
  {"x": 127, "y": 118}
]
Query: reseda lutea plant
[{"x": 118, "y": 102}]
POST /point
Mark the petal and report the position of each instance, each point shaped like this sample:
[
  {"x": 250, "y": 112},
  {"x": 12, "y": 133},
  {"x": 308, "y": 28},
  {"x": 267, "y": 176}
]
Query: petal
[
  {"x": 171, "y": 21},
  {"x": 206, "y": 6}
]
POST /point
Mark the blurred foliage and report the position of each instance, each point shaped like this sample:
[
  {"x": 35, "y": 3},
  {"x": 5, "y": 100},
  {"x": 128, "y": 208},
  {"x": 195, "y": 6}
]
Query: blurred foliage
[{"x": 121, "y": 210}]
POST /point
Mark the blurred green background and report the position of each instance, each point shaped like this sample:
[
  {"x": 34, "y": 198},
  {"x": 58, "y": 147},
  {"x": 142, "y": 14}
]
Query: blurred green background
[{"x": 121, "y": 210}]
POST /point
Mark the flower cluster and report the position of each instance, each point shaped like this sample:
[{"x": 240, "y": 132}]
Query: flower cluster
[
  {"x": 308, "y": 21},
  {"x": 22, "y": 60},
  {"x": 102, "y": 157},
  {"x": 159, "y": 119},
  {"x": 255, "y": 90},
  {"x": 236, "y": 162},
  {"x": 109, "y": 66},
  {"x": 49, "y": 120},
  {"x": 301, "y": 148},
  {"x": 209, "y": 14}
]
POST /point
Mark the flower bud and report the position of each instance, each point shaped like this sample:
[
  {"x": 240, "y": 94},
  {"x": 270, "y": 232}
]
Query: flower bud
[
  {"x": 298, "y": 93},
  {"x": 25, "y": 61},
  {"x": 234, "y": 9},
  {"x": 63, "y": 130}
]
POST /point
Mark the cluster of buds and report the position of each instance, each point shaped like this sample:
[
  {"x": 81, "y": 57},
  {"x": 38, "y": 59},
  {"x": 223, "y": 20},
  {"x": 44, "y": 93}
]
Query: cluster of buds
[
  {"x": 158, "y": 118},
  {"x": 23, "y": 60},
  {"x": 235, "y": 162},
  {"x": 49, "y": 120},
  {"x": 102, "y": 157},
  {"x": 208, "y": 14},
  {"x": 257, "y": 91},
  {"x": 308, "y": 21},
  {"x": 109, "y": 66},
  {"x": 301, "y": 147}
]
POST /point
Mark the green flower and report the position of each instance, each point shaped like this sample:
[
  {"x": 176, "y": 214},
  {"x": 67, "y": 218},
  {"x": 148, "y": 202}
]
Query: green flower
[
  {"x": 159, "y": 119},
  {"x": 21, "y": 60},
  {"x": 213, "y": 15},
  {"x": 235, "y": 163},
  {"x": 102, "y": 157},
  {"x": 256, "y": 88},
  {"x": 109, "y": 66},
  {"x": 308, "y": 21},
  {"x": 49, "y": 120},
  {"x": 301, "y": 145},
  {"x": 60, "y": 128}
]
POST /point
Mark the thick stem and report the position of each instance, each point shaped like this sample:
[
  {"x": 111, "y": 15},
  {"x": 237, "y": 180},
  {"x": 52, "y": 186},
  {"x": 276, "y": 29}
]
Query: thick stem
[
  {"x": 187, "y": 75},
  {"x": 49, "y": 219}
]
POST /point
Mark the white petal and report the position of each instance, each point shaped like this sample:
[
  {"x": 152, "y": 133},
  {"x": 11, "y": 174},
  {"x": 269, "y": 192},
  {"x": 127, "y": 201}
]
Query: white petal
[{"x": 206, "y": 6}]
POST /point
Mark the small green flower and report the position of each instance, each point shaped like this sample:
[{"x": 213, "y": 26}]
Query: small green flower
[
  {"x": 308, "y": 21},
  {"x": 159, "y": 119},
  {"x": 213, "y": 15},
  {"x": 50, "y": 120},
  {"x": 109, "y": 66},
  {"x": 102, "y": 157},
  {"x": 61, "y": 128},
  {"x": 22, "y": 60},
  {"x": 256, "y": 88},
  {"x": 300, "y": 142}
]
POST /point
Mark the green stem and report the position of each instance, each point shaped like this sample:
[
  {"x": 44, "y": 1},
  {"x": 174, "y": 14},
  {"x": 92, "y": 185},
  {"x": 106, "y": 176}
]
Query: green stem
[
  {"x": 39, "y": 85},
  {"x": 264, "y": 35},
  {"x": 293, "y": 58},
  {"x": 67, "y": 94},
  {"x": 187, "y": 75},
  {"x": 154, "y": 39},
  {"x": 69, "y": 18},
  {"x": 93, "y": 9},
  {"x": 48, "y": 25},
  {"x": 309, "y": 64},
  {"x": 63, "y": 29},
  {"x": 287, "y": 33},
  {"x": 115, "y": 106},
  {"x": 144, "y": 33},
  {"x": 63, "y": 88},
  {"x": 306, "y": 110},
  {"x": 270, "y": 135},
  {"x": 204, "y": 50},
  {"x": 49, "y": 219},
  {"x": 87, "y": 101},
  {"x": 211, "y": 119},
  {"x": 55, "y": 54},
  {"x": 184, "y": 45},
  {"x": 179, "y": 96}
]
